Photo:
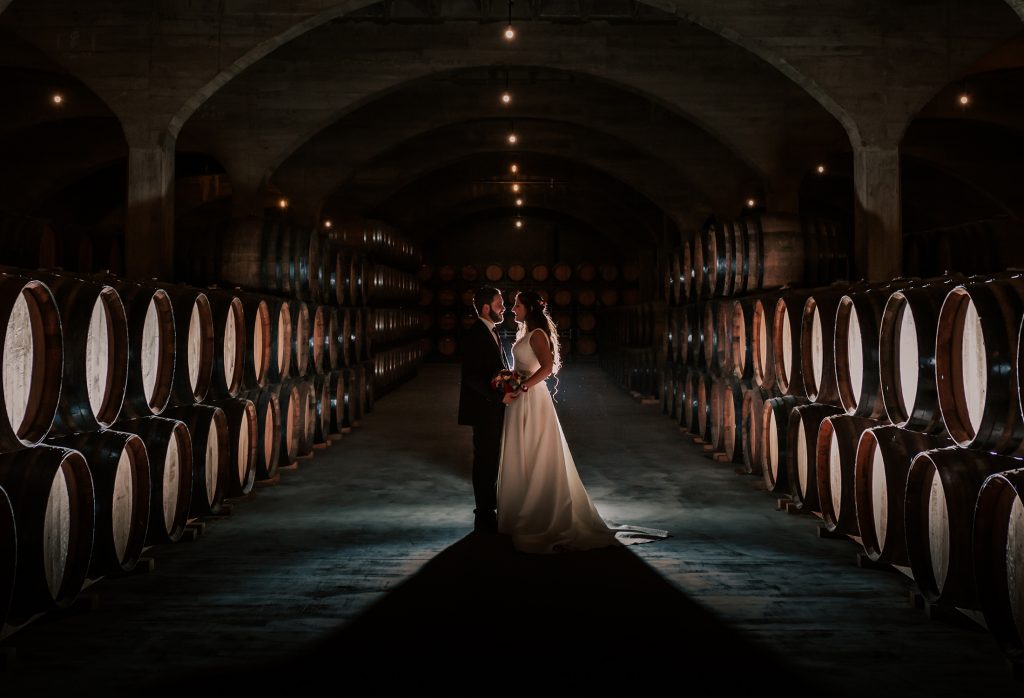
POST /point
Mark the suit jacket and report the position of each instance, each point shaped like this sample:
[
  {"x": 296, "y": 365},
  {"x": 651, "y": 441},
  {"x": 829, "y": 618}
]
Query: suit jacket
[{"x": 481, "y": 361}]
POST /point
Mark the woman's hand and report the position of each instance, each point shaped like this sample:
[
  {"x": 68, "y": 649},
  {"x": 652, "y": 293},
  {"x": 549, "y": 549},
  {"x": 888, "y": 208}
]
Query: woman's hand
[{"x": 509, "y": 397}]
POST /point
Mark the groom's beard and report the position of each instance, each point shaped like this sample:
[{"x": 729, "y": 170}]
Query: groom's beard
[{"x": 496, "y": 318}]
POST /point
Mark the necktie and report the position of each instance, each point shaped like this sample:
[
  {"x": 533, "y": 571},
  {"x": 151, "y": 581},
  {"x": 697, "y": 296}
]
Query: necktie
[{"x": 501, "y": 349}]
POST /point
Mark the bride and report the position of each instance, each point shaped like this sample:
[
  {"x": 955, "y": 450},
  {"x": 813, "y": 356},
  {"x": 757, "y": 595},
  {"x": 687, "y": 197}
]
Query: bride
[{"x": 542, "y": 503}]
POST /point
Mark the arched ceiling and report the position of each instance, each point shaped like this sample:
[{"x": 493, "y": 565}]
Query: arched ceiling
[{"x": 687, "y": 103}]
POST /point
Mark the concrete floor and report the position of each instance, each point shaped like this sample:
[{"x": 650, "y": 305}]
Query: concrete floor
[{"x": 358, "y": 570}]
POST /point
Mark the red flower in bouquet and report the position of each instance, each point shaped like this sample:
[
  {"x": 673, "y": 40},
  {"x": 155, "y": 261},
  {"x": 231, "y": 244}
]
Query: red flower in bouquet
[{"x": 507, "y": 382}]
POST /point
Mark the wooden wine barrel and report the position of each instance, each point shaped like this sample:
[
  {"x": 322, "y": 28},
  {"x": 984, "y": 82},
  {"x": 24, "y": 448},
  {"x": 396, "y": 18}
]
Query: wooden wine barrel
[
  {"x": 208, "y": 427},
  {"x": 539, "y": 273},
  {"x": 229, "y": 344},
  {"x": 704, "y": 390},
  {"x": 999, "y": 558},
  {"x": 673, "y": 278},
  {"x": 193, "y": 339},
  {"x": 586, "y": 345},
  {"x": 802, "y": 437},
  {"x": 741, "y": 333},
  {"x": 942, "y": 490},
  {"x": 119, "y": 465},
  {"x": 243, "y": 445},
  {"x": 169, "y": 449},
  {"x": 308, "y": 262},
  {"x": 32, "y": 361},
  {"x": 586, "y": 272},
  {"x": 357, "y": 340},
  {"x": 280, "y": 363},
  {"x": 51, "y": 492},
  {"x": 250, "y": 254},
  {"x": 333, "y": 276},
  {"x": 469, "y": 272},
  {"x": 331, "y": 357},
  {"x": 318, "y": 334},
  {"x": 709, "y": 335},
  {"x": 337, "y": 413},
  {"x": 727, "y": 417},
  {"x": 689, "y": 406},
  {"x": 775, "y": 443},
  {"x": 291, "y": 423},
  {"x": 776, "y": 251},
  {"x": 976, "y": 364},
  {"x": 307, "y": 417},
  {"x": 301, "y": 338},
  {"x": 761, "y": 344},
  {"x": 817, "y": 344},
  {"x": 268, "y": 431},
  {"x": 562, "y": 297},
  {"x": 836, "y": 460},
  {"x": 359, "y": 271},
  {"x": 95, "y": 368},
  {"x": 720, "y": 262},
  {"x": 151, "y": 349},
  {"x": 447, "y": 345},
  {"x": 259, "y": 340},
  {"x": 516, "y": 272},
  {"x": 786, "y": 342},
  {"x": 8, "y": 554},
  {"x": 883, "y": 460},
  {"x": 751, "y": 419},
  {"x": 562, "y": 272},
  {"x": 723, "y": 344},
  {"x": 493, "y": 273},
  {"x": 322, "y": 404},
  {"x": 699, "y": 264},
  {"x": 668, "y": 390},
  {"x": 858, "y": 320},
  {"x": 906, "y": 355},
  {"x": 343, "y": 338}
]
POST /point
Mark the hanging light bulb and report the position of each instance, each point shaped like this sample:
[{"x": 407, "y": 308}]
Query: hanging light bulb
[
  {"x": 519, "y": 202},
  {"x": 506, "y": 96},
  {"x": 58, "y": 98},
  {"x": 282, "y": 203},
  {"x": 514, "y": 168},
  {"x": 820, "y": 169},
  {"x": 515, "y": 186},
  {"x": 327, "y": 223},
  {"x": 513, "y": 139},
  {"x": 519, "y": 223},
  {"x": 751, "y": 203},
  {"x": 964, "y": 99},
  {"x": 510, "y": 33}
]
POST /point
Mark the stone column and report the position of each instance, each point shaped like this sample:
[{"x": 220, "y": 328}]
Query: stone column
[
  {"x": 878, "y": 229},
  {"x": 149, "y": 218}
]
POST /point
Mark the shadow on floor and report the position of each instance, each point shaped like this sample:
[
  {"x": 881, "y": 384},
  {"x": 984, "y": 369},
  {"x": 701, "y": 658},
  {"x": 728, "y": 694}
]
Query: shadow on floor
[{"x": 483, "y": 618}]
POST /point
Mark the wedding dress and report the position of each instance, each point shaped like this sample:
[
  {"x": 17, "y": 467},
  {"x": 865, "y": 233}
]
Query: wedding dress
[{"x": 542, "y": 503}]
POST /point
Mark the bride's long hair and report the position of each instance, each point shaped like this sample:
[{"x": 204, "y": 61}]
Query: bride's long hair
[{"x": 538, "y": 317}]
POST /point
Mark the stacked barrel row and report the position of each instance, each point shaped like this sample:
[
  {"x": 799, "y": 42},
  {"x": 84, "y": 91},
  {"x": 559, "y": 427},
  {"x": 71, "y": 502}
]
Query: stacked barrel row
[
  {"x": 130, "y": 408},
  {"x": 351, "y": 267},
  {"x": 29, "y": 242},
  {"x": 630, "y": 337},
  {"x": 893, "y": 411},
  {"x": 754, "y": 253},
  {"x": 576, "y": 295}
]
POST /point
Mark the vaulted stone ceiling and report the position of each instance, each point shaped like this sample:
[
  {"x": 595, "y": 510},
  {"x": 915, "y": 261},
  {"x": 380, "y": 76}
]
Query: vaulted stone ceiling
[{"x": 674, "y": 110}]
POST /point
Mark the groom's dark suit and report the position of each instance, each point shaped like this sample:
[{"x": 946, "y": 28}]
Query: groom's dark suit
[{"x": 481, "y": 408}]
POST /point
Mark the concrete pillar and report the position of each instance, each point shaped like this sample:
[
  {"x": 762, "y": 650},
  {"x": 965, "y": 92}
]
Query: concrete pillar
[
  {"x": 878, "y": 229},
  {"x": 149, "y": 219}
]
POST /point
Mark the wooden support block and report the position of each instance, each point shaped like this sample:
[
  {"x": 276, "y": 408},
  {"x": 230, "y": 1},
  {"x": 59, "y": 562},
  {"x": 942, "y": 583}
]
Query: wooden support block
[
  {"x": 225, "y": 509},
  {"x": 290, "y": 466},
  {"x": 823, "y": 532},
  {"x": 740, "y": 471},
  {"x": 322, "y": 444},
  {"x": 794, "y": 509},
  {"x": 781, "y": 503},
  {"x": 269, "y": 482},
  {"x": 708, "y": 448},
  {"x": 251, "y": 494},
  {"x": 305, "y": 456},
  {"x": 346, "y": 430},
  {"x": 866, "y": 563},
  {"x": 144, "y": 565},
  {"x": 650, "y": 401},
  {"x": 721, "y": 458},
  {"x": 193, "y": 531}
]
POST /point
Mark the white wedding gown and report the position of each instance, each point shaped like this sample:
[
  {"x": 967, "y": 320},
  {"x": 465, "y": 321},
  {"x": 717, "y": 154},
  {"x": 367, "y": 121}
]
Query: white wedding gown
[{"x": 542, "y": 503}]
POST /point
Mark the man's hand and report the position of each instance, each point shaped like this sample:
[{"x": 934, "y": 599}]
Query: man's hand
[{"x": 509, "y": 397}]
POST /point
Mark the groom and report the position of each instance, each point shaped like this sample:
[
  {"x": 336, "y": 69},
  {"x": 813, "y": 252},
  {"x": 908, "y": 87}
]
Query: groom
[{"x": 480, "y": 405}]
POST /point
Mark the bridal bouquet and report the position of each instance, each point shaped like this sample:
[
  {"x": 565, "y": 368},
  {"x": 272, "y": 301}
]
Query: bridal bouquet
[{"x": 507, "y": 382}]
